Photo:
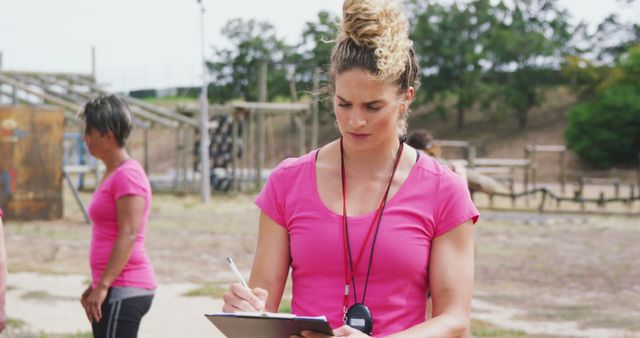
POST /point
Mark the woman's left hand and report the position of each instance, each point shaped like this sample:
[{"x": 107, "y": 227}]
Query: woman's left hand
[
  {"x": 344, "y": 331},
  {"x": 93, "y": 303}
]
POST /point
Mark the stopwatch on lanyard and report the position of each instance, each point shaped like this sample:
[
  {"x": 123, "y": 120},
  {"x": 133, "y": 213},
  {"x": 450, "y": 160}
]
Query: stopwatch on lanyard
[{"x": 358, "y": 315}]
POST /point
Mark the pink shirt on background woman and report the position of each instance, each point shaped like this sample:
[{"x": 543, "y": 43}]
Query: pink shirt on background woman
[
  {"x": 432, "y": 201},
  {"x": 128, "y": 179}
]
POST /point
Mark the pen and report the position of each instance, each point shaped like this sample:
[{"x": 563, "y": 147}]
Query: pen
[{"x": 236, "y": 272}]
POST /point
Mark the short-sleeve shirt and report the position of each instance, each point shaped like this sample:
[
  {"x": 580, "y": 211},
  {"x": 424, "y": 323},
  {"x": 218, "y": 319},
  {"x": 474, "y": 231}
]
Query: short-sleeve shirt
[
  {"x": 128, "y": 179},
  {"x": 432, "y": 201}
]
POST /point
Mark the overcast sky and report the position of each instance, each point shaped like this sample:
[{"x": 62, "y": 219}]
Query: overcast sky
[{"x": 147, "y": 43}]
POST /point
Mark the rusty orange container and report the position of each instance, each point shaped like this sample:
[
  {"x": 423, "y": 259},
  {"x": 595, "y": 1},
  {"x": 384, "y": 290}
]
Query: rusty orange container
[{"x": 31, "y": 162}]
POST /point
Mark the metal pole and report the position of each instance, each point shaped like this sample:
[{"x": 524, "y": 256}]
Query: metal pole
[
  {"x": 204, "y": 120},
  {"x": 93, "y": 63}
]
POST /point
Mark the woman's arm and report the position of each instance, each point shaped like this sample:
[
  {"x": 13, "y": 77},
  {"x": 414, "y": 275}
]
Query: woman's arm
[
  {"x": 271, "y": 262},
  {"x": 3, "y": 277},
  {"x": 451, "y": 280},
  {"x": 268, "y": 274},
  {"x": 451, "y": 269},
  {"x": 130, "y": 211}
]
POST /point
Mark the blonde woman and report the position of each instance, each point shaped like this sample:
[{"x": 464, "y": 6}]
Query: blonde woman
[{"x": 366, "y": 224}]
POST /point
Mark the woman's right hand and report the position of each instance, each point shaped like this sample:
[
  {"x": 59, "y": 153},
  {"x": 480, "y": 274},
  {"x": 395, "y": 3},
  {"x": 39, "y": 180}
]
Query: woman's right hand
[{"x": 240, "y": 298}]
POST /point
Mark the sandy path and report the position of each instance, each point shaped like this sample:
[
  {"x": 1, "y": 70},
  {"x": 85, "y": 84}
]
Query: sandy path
[{"x": 50, "y": 303}]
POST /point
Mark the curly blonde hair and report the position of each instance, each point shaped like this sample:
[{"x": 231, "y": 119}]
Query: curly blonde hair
[{"x": 374, "y": 36}]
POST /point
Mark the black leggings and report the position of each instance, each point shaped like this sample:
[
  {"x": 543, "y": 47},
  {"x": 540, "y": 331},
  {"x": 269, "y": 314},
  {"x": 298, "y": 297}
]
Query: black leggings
[{"x": 121, "y": 317}]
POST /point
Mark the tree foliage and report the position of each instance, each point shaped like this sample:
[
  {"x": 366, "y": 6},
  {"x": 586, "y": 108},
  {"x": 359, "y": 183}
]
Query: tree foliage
[
  {"x": 606, "y": 132},
  {"x": 235, "y": 70}
]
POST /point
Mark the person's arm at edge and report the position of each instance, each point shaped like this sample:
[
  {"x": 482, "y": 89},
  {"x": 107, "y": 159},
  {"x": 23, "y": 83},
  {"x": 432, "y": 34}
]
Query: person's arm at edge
[
  {"x": 130, "y": 212},
  {"x": 3, "y": 277},
  {"x": 271, "y": 261},
  {"x": 451, "y": 271}
]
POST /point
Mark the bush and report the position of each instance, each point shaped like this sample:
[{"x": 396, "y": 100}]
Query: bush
[{"x": 606, "y": 132}]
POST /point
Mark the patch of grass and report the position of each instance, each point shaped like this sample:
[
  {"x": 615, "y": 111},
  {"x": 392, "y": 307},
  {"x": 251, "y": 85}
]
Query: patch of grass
[
  {"x": 39, "y": 294},
  {"x": 79, "y": 335},
  {"x": 561, "y": 313},
  {"x": 43, "y": 296},
  {"x": 208, "y": 290},
  {"x": 67, "y": 335},
  {"x": 483, "y": 329},
  {"x": 285, "y": 306},
  {"x": 14, "y": 323}
]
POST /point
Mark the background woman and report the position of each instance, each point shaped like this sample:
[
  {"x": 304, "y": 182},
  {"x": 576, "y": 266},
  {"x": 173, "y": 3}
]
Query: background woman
[{"x": 123, "y": 280}]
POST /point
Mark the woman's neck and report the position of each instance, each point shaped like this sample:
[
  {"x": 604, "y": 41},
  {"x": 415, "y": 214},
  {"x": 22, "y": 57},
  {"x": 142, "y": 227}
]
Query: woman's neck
[
  {"x": 115, "y": 158},
  {"x": 373, "y": 162}
]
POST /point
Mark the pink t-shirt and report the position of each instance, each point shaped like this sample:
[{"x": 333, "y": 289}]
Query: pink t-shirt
[
  {"x": 432, "y": 201},
  {"x": 1, "y": 213},
  {"x": 128, "y": 179}
]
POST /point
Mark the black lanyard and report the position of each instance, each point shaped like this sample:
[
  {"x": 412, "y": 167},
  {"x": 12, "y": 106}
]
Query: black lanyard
[{"x": 349, "y": 266}]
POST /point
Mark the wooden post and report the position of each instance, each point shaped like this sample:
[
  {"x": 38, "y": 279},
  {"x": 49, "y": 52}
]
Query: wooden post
[
  {"x": 291, "y": 72},
  {"x": 303, "y": 133},
  {"x": 14, "y": 96},
  {"x": 248, "y": 147},
  {"x": 252, "y": 145},
  {"x": 177, "y": 165},
  {"x": 262, "y": 97},
  {"x": 534, "y": 170},
  {"x": 145, "y": 140},
  {"x": 261, "y": 148},
  {"x": 472, "y": 156},
  {"x": 315, "y": 109},
  {"x": 638, "y": 173},
  {"x": 527, "y": 169},
  {"x": 187, "y": 157},
  {"x": 563, "y": 171},
  {"x": 234, "y": 150}
]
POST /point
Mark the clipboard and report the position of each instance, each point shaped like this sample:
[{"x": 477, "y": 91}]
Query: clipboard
[{"x": 266, "y": 325}]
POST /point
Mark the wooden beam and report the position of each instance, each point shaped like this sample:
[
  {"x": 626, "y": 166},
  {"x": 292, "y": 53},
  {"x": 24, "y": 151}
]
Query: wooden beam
[
  {"x": 62, "y": 101},
  {"x": 272, "y": 108},
  {"x": 502, "y": 162},
  {"x": 452, "y": 143},
  {"x": 142, "y": 104},
  {"x": 546, "y": 148}
]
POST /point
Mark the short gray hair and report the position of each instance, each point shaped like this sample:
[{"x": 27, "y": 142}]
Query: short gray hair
[{"x": 108, "y": 114}]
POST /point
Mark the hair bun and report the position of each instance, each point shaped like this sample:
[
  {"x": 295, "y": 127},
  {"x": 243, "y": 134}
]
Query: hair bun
[{"x": 382, "y": 26}]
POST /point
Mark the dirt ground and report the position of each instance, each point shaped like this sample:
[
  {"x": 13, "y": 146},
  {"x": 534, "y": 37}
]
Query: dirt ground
[{"x": 537, "y": 275}]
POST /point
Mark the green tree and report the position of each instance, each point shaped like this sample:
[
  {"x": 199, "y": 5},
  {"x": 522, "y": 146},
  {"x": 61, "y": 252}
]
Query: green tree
[
  {"x": 606, "y": 132},
  {"x": 613, "y": 38},
  {"x": 235, "y": 70},
  {"x": 317, "y": 41},
  {"x": 450, "y": 42},
  {"x": 525, "y": 45}
]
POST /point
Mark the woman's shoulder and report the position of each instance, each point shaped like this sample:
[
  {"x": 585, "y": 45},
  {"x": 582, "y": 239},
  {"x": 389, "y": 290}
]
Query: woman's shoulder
[
  {"x": 131, "y": 169},
  {"x": 293, "y": 164},
  {"x": 432, "y": 166}
]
